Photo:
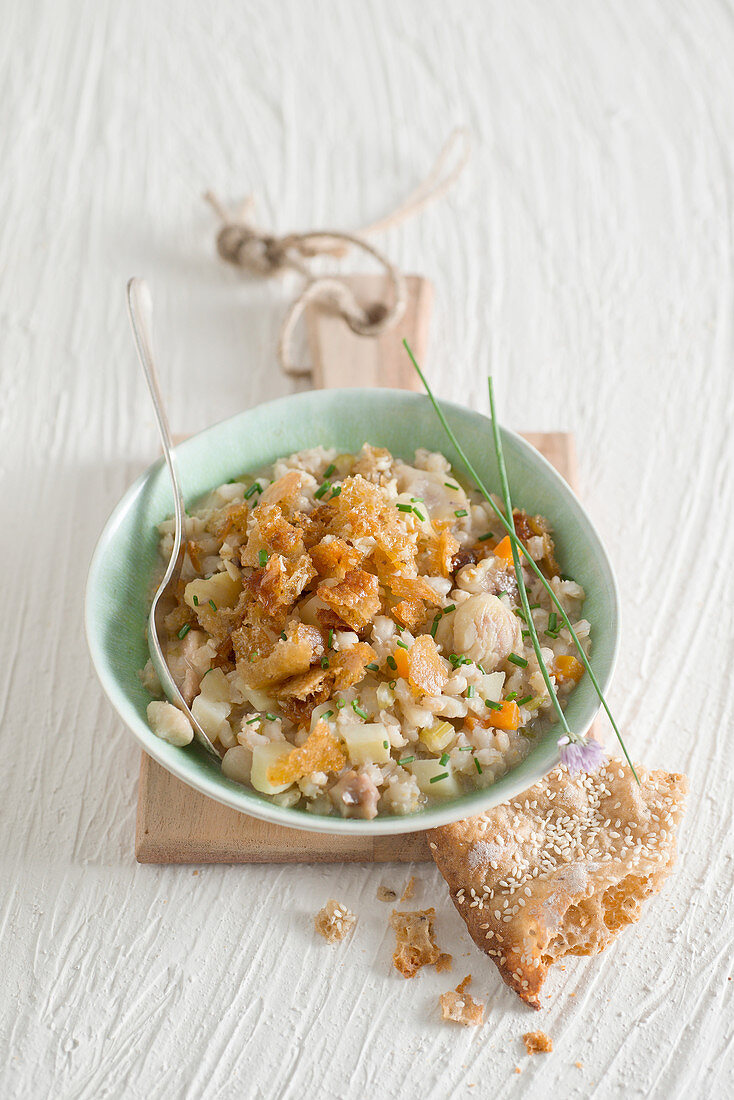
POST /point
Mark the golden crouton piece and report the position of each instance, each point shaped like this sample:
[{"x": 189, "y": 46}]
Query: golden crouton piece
[
  {"x": 281, "y": 581},
  {"x": 415, "y": 943},
  {"x": 356, "y": 599},
  {"x": 290, "y": 656},
  {"x": 270, "y": 531},
  {"x": 410, "y": 613},
  {"x": 333, "y": 557},
  {"x": 561, "y": 868},
  {"x": 426, "y": 670},
  {"x": 458, "y": 1006},
  {"x": 320, "y": 752},
  {"x": 413, "y": 588}
]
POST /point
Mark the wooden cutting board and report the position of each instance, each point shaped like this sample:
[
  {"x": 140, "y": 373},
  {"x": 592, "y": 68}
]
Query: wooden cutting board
[{"x": 176, "y": 824}]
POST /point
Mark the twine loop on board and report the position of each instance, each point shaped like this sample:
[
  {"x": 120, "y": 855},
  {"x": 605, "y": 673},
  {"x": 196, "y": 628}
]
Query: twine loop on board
[{"x": 263, "y": 255}]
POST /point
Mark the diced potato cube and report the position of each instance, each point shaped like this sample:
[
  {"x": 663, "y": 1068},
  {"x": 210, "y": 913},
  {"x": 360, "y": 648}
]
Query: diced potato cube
[
  {"x": 367, "y": 742},
  {"x": 214, "y": 686},
  {"x": 437, "y": 737},
  {"x": 211, "y": 715},
  {"x": 221, "y": 589},
  {"x": 263, "y": 758},
  {"x": 260, "y": 700},
  {"x": 492, "y": 684},
  {"x": 427, "y": 770}
]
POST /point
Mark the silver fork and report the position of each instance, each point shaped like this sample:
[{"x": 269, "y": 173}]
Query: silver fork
[{"x": 140, "y": 308}]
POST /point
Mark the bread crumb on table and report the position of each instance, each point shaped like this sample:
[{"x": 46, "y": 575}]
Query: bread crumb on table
[
  {"x": 443, "y": 962},
  {"x": 334, "y": 921},
  {"x": 415, "y": 944},
  {"x": 537, "y": 1042},
  {"x": 409, "y": 889},
  {"x": 458, "y": 1006},
  {"x": 384, "y": 893}
]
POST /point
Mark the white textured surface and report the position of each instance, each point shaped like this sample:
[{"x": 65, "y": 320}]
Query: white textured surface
[{"x": 587, "y": 259}]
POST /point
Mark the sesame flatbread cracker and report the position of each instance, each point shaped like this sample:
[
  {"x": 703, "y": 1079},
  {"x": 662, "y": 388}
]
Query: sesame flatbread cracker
[{"x": 562, "y": 868}]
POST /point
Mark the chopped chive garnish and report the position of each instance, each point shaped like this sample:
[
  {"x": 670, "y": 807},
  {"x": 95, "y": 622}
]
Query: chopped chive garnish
[
  {"x": 520, "y": 614},
  {"x": 552, "y": 622},
  {"x": 254, "y": 656},
  {"x": 330, "y": 469},
  {"x": 392, "y": 663},
  {"x": 335, "y": 491},
  {"x": 492, "y": 705},
  {"x": 481, "y": 668},
  {"x": 386, "y": 744},
  {"x": 461, "y": 512},
  {"x": 519, "y": 661},
  {"x": 525, "y": 633},
  {"x": 404, "y": 507},
  {"x": 416, "y": 500},
  {"x": 444, "y": 760},
  {"x": 402, "y": 644},
  {"x": 438, "y": 778},
  {"x": 406, "y": 760},
  {"x": 324, "y": 662},
  {"x": 477, "y": 765},
  {"x": 263, "y": 557},
  {"x": 552, "y": 633},
  {"x": 328, "y": 714},
  {"x": 373, "y": 667},
  {"x": 434, "y": 626},
  {"x": 449, "y": 609},
  {"x": 358, "y": 710},
  {"x": 483, "y": 538},
  {"x": 470, "y": 691},
  {"x": 207, "y": 672},
  {"x": 340, "y": 704},
  {"x": 450, "y": 486},
  {"x": 330, "y": 642},
  {"x": 251, "y": 721},
  {"x": 511, "y": 696},
  {"x": 254, "y": 488},
  {"x": 525, "y": 699},
  {"x": 392, "y": 685},
  {"x": 420, "y": 515},
  {"x": 212, "y": 605},
  {"x": 465, "y": 748},
  {"x": 533, "y": 606},
  {"x": 321, "y": 490},
  {"x": 284, "y": 636},
  {"x": 271, "y": 717},
  {"x": 196, "y": 601},
  {"x": 184, "y": 630}
]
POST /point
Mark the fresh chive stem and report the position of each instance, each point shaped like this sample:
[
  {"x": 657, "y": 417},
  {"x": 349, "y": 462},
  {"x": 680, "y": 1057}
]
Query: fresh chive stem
[{"x": 517, "y": 544}]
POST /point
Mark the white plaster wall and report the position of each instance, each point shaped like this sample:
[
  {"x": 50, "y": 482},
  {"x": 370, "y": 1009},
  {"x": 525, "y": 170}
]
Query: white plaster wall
[{"x": 586, "y": 259}]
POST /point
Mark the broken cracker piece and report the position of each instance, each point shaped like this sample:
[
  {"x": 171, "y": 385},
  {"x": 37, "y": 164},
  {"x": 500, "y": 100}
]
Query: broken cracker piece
[
  {"x": 537, "y": 1042},
  {"x": 457, "y": 1005},
  {"x": 384, "y": 893},
  {"x": 443, "y": 962},
  {"x": 334, "y": 921},
  {"x": 415, "y": 945},
  {"x": 562, "y": 868}
]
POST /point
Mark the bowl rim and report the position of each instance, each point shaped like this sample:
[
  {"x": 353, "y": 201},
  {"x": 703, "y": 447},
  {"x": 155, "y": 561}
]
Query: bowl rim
[{"x": 439, "y": 814}]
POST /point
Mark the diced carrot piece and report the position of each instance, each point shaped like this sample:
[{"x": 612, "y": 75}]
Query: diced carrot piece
[
  {"x": 503, "y": 549},
  {"x": 506, "y": 718},
  {"x": 400, "y": 657},
  {"x": 568, "y": 668}
]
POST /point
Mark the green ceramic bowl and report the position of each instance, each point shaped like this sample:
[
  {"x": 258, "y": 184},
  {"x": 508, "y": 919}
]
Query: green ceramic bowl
[{"x": 122, "y": 568}]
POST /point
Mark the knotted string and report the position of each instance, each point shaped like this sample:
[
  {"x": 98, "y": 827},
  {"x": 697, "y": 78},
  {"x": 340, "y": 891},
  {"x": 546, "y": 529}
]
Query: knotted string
[{"x": 241, "y": 243}]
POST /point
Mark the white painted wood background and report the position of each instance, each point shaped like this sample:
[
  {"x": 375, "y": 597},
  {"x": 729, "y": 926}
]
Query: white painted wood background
[{"x": 586, "y": 258}]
